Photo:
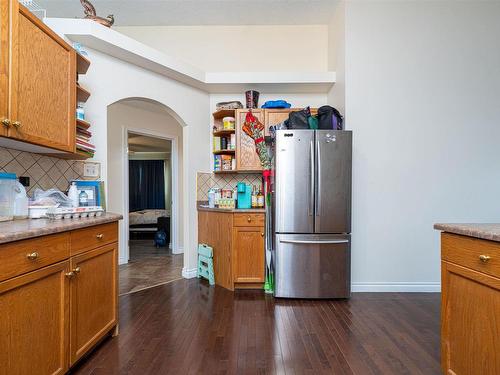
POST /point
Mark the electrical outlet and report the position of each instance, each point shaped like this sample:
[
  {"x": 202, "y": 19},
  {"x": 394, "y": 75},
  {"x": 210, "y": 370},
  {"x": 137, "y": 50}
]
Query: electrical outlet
[{"x": 91, "y": 170}]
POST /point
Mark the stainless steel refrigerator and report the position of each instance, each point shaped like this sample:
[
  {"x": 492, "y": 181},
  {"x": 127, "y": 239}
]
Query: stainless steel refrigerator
[{"x": 312, "y": 213}]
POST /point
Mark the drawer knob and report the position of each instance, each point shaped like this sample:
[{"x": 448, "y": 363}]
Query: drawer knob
[
  {"x": 249, "y": 219},
  {"x": 262, "y": 234},
  {"x": 100, "y": 236},
  {"x": 69, "y": 274},
  {"x": 33, "y": 256},
  {"x": 484, "y": 258},
  {"x": 76, "y": 270}
]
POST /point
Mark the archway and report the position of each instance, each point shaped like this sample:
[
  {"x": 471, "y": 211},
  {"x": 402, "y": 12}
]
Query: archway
[{"x": 149, "y": 119}]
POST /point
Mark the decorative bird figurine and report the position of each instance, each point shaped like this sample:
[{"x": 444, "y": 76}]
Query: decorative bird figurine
[{"x": 90, "y": 13}]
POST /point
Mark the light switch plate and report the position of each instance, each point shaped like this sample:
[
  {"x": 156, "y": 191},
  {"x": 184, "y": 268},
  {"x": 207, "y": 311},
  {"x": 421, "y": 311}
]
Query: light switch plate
[{"x": 91, "y": 170}]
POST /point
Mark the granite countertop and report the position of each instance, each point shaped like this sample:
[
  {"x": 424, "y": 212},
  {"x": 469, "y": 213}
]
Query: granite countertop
[
  {"x": 485, "y": 231},
  {"x": 21, "y": 229},
  {"x": 204, "y": 207}
]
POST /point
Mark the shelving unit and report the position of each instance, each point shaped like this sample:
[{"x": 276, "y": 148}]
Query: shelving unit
[
  {"x": 82, "y": 95},
  {"x": 82, "y": 133},
  {"x": 219, "y": 131}
]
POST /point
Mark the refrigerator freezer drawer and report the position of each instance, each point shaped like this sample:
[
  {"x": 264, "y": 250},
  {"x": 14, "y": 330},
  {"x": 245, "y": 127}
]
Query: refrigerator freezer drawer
[{"x": 313, "y": 266}]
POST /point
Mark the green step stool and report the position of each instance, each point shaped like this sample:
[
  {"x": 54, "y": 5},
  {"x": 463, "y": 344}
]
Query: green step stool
[{"x": 206, "y": 263}]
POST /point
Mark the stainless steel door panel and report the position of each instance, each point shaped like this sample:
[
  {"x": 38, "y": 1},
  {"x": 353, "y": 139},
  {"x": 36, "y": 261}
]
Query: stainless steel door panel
[
  {"x": 333, "y": 181},
  {"x": 293, "y": 181},
  {"x": 313, "y": 266}
]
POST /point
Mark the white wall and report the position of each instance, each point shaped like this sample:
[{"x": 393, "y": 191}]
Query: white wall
[
  {"x": 110, "y": 80},
  {"x": 422, "y": 98},
  {"x": 240, "y": 48},
  {"x": 336, "y": 57},
  {"x": 130, "y": 114}
]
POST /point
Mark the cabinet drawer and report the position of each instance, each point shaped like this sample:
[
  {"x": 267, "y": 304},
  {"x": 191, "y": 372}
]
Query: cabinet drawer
[
  {"x": 93, "y": 237},
  {"x": 248, "y": 220},
  {"x": 477, "y": 254},
  {"x": 24, "y": 256}
]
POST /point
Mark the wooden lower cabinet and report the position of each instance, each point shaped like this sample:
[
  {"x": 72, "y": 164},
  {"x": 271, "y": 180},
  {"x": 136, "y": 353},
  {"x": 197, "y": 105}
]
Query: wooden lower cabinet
[
  {"x": 249, "y": 255},
  {"x": 53, "y": 315},
  {"x": 94, "y": 298},
  {"x": 237, "y": 240},
  {"x": 470, "y": 310},
  {"x": 34, "y": 322}
]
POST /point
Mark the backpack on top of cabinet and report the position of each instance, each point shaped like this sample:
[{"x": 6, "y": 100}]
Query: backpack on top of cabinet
[{"x": 329, "y": 118}]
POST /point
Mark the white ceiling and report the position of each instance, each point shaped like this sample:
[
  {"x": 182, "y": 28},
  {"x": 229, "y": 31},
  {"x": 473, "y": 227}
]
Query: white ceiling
[{"x": 200, "y": 12}]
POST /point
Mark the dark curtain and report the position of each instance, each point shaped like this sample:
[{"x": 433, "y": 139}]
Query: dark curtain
[{"x": 146, "y": 185}]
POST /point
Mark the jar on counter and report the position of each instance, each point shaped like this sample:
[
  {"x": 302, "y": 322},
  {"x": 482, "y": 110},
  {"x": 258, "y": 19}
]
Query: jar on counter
[{"x": 7, "y": 196}]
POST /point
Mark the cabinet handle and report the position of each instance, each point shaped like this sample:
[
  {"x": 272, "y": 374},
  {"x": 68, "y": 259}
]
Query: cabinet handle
[
  {"x": 249, "y": 219},
  {"x": 6, "y": 122},
  {"x": 69, "y": 274},
  {"x": 262, "y": 234},
  {"x": 100, "y": 236},
  {"x": 33, "y": 256},
  {"x": 484, "y": 258},
  {"x": 17, "y": 124},
  {"x": 77, "y": 270}
]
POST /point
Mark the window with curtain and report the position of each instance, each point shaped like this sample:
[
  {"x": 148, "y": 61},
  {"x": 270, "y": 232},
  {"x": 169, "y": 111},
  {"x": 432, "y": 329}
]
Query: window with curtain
[{"x": 146, "y": 185}]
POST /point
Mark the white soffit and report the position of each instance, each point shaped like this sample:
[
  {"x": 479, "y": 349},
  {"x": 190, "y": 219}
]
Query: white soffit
[{"x": 120, "y": 46}]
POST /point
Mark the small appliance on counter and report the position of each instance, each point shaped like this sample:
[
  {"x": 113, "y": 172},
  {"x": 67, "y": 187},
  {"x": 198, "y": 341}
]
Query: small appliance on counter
[{"x": 244, "y": 195}]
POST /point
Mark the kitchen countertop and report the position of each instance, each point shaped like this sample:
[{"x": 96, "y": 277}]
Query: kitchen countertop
[
  {"x": 487, "y": 231},
  {"x": 21, "y": 229},
  {"x": 204, "y": 207}
]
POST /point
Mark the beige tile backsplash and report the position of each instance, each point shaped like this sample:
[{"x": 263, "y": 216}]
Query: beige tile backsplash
[
  {"x": 205, "y": 181},
  {"x": 45, "y": 172}
]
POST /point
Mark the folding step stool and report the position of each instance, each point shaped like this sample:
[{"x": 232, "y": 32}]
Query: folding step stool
[{"x": 206, "y": 263}]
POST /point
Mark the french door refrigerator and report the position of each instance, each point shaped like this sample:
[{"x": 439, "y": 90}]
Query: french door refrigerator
[{"x": 312, "y": 214}]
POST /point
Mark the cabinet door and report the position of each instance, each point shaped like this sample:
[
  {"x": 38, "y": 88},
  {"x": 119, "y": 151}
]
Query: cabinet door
[
  {"x": 43, "y": 86},
  {"x": 34, "y": 322},
  {"x": 275, "y": 116},
  {"x": 94, "y": 298},
  {"x": 470, "y": 326},
  {"x": 248, "y": 254},
  {"x": 246, "y": 154},
  {"x": 4, "y": 63}
]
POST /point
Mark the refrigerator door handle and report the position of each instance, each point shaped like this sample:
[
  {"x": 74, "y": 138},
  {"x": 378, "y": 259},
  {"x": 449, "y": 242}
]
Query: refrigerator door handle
[
  {"x": 311, "y": 179},
  {"x": 318, "y": 179},
  {"x": 315, "y": 241}
]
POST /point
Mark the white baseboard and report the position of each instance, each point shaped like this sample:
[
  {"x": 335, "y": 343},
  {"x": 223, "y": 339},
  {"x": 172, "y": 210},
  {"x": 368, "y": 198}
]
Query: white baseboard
[
  {"x": 189, "y": 273},
  {"x": 406, "y": 287},
  {"x": 122, "y": 261},
  {"x": 179, "y": 250}
]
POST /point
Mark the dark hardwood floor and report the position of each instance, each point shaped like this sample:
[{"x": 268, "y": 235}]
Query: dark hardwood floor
[{"x": 187, "y": 327}]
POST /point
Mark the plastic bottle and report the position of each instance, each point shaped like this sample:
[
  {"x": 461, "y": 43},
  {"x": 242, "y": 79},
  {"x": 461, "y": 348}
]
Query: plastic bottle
[
  {"x": 20, "y": 202},
  {"x": 83, "y": 199},
  {"x": 73, "y": 195}
]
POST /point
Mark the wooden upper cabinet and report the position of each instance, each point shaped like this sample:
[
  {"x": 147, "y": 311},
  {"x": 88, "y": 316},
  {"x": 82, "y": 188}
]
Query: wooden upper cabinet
[
  {"x": 246, "y": 154},
  {"x": 275, "y": 116},
  {"x": 34, "y": 322},
  {"x": 94, "y": 298},
  {"x": 4, "y": 63},
  {"x": 43, "y": 83},
  {"x": 249, "y": 254}
]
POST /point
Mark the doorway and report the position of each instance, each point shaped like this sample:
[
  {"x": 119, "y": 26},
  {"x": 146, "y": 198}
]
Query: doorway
[{"x": 144, "y": 183}]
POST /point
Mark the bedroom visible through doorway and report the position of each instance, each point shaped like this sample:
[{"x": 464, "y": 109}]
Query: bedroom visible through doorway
[{"x": 151, "y": 261}]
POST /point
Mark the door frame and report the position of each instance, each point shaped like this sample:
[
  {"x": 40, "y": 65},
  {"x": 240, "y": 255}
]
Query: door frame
[{"x": 174, "y": 167}]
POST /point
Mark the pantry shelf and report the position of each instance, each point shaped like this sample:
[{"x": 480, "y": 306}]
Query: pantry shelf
[
  {"x": 220, "y": 114},
  {"x": 224, "y": 152},
  {"x": 82, "y": 95},
  {"x": 222, "y": 133}
]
